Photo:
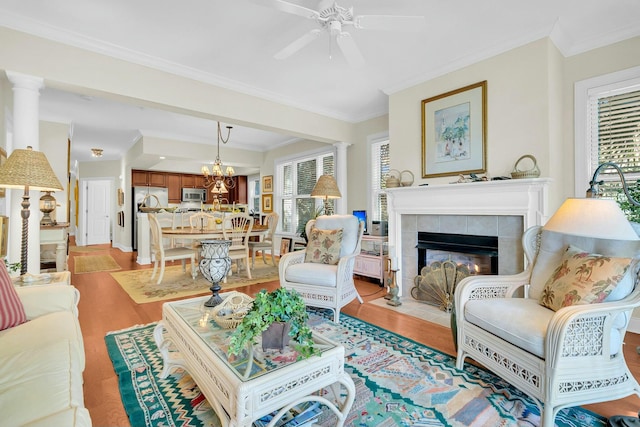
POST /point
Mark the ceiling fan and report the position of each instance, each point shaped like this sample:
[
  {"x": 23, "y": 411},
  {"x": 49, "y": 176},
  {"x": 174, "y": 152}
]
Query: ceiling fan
[{"x": 333, "y": 19}]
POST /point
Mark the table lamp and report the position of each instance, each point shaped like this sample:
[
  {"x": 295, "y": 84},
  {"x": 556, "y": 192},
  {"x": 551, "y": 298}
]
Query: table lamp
[
  {"x": 29, "y": 170},
  {"x": 328, "y": 188}
]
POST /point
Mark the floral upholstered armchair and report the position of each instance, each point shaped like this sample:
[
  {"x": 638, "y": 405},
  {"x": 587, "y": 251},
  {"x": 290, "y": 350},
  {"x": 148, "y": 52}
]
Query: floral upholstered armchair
[
  {"x": 323, "y": 273},
  {"x": 556, "y": 330}
]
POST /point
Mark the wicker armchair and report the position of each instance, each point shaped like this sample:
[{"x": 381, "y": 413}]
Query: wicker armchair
[
  {"x": 324, "y": 285},
  {"x": 569, "y": 357}
]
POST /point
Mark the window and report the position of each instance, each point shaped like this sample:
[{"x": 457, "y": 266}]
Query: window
[
  {"x": 379, "y": 170},
  {"x": 254, "y": 193},
  {"x": 296, "y": 179},
  {"x": 608, "y": 130}
]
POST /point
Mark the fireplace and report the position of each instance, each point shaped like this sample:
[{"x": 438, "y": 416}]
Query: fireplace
[
  {"x": 502, "y": 209},
  {"x": 478, "y": 253}
]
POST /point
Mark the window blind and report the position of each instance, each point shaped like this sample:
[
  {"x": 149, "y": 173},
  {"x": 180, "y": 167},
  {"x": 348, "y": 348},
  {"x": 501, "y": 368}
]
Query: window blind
[
  {"x": 618, "y": 139},
  {"x": 380, "y": 165}
]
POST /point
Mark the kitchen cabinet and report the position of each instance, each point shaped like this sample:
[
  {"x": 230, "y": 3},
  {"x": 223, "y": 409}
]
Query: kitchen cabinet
[
  {"x": 188, "y": 181},
  {"x": 141, "y": 178},
  {"x": 157, "y": 179},
  {"x": 372, "y": 261},
  {"x": 174, "y": 184}
]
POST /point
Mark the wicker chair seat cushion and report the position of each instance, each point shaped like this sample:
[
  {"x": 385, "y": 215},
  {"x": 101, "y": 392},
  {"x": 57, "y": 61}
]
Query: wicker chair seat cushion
[
  {"x": 312, "y": 274},
  {"x": 523, "y": 322}
]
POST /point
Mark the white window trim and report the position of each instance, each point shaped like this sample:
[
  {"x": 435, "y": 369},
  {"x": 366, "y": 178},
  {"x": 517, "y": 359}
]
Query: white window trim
[
  {"x": 277, "y": 193},
  {"x": 607, "y": 84},
  {"x": 372, "y": 139}
]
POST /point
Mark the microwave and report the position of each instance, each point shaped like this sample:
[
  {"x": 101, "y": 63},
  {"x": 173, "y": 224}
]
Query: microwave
[{"x": 194, "y": 195}]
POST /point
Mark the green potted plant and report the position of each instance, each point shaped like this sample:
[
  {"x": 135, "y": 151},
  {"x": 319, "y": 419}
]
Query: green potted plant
[
  {"x": 307, "y": 213},
  {"x": 281, "y": 305}
]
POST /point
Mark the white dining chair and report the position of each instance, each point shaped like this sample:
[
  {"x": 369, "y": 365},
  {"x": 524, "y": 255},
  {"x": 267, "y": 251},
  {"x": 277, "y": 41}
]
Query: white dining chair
[
  {"x": 162, "y": 255},
  {"x": 267, "y": 242},
  {"x": 237, "y": 228}
]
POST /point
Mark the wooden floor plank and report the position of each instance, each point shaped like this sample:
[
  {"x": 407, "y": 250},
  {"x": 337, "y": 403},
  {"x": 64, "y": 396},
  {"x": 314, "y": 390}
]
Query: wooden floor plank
[{"x": 105, "y": 307}]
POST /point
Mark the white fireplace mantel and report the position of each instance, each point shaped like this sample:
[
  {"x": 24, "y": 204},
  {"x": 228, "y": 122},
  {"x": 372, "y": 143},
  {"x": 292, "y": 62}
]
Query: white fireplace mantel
[{"x": 527, "y": 198}]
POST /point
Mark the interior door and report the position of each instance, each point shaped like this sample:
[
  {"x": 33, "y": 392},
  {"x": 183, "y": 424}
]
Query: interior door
[{"x": 98, "y": 212}]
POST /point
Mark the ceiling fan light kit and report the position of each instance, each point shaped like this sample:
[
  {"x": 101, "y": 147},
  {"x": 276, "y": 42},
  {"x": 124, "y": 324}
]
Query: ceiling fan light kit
[{"x": 333, "y": 18}]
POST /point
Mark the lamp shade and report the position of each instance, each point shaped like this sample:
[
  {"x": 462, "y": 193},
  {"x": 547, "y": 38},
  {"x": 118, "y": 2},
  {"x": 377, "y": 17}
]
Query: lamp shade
[
  {"x": 219, "y": 190},
  {"x": 600, "y": 218},
  {"x": 27, "y": 167},
  {"x": 326, "y": 187}
]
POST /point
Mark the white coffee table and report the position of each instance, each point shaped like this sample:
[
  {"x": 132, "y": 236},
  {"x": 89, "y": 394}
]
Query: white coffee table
[{"x": 243, "y": 389}]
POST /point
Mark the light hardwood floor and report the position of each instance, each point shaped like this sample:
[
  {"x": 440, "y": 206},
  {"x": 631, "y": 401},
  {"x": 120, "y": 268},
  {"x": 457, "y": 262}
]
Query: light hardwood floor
[{"x": 105, "y": 307}]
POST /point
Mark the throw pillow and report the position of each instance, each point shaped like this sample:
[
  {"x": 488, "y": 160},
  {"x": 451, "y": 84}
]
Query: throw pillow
[
  {"x": 11, "y": 308},
  {"x": 324, "y": 246},
  {"x": 582, "y": 278}
]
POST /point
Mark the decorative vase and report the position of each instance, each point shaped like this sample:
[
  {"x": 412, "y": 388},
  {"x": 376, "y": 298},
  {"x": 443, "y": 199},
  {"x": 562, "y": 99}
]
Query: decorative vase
[
  {"x": 214, "y": 266},
  {"x": 276, "y": 336}
]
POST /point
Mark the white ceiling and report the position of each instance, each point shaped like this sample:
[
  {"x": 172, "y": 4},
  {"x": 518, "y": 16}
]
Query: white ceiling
[{"x": 232, "y": 43}]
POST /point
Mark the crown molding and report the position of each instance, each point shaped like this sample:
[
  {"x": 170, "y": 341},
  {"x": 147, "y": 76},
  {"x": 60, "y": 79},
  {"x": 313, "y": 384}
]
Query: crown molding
[{"x": 36, "y": 28}]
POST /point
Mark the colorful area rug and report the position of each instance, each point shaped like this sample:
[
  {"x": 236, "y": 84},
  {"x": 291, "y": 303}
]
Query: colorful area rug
[
  {"x": 398, "y": 383},
  {"x": 94, "y": 263},
  {"x": 178, "y": 284}
]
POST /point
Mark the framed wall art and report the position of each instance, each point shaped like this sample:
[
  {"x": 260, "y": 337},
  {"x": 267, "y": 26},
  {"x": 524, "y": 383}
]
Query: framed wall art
[
  {"x": 285, "y": 245},
  {"x": 267, "y": 184},
  {"x": 267, "y": 203},
  {"x": 454, "y": 127}
]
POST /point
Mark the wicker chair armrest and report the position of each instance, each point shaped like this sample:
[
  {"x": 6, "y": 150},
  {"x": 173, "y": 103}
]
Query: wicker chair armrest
[
  {"x": 570, "y": 325},
  {"x": 288, "y": 259},
  {"x": 487, "y": 287}
]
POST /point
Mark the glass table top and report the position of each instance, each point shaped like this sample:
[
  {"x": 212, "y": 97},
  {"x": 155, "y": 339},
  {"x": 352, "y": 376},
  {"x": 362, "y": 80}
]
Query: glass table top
[{"x": 253, "y": 362}]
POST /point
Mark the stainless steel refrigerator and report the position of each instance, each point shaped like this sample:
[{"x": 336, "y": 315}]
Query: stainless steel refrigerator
[{"x": 139, "y": 194}]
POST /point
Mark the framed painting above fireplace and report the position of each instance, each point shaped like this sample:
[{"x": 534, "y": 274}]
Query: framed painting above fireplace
[{"x": 454, "y": 132}]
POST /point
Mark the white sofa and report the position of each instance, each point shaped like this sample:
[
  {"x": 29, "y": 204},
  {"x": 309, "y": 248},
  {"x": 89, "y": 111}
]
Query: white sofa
[{"x": 42, "y": 360}]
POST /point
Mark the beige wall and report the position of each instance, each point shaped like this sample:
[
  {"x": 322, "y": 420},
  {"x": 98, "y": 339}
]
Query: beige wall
[
  {"x": 69, "y": 67},
  {"x": 519, "y": 106},
  {"x": 530, "y": 108},
  {"x": 358, "y": 161},
  {"x": 598, "y": 62},
  {"x": 53, "y": 142}
]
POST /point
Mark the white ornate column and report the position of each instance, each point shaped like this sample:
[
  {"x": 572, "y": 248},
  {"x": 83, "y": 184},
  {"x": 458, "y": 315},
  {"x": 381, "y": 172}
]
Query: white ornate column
[
  {"x": 26, "y": 132},
  {"x": 341, "y": 175}
]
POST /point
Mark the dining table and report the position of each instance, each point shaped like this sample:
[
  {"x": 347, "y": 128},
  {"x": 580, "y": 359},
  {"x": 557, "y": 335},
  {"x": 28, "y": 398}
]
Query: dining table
[{"x": 197, "y": 233}]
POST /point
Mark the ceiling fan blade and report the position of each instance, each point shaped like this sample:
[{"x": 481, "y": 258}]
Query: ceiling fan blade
[
  {"x": 298, "y": 44},
  {"x": 287, "y": 7},
  {"x": 390, "y": 22},
  {"x": 350, "y": 50}
]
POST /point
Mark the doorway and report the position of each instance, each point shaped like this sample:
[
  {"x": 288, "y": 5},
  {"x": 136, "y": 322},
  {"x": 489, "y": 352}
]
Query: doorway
[{"x": 95, "y": 213}]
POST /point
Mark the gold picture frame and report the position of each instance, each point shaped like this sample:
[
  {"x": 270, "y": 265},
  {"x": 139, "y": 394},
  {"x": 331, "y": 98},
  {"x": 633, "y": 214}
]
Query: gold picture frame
[
  {"x": 4, "y": 235},
  {"x": 3, "y": 159},
  {"x": 454, "y": 132},
  {"x": 267, "y": 203},
  {"x": 267, "y": 184}
]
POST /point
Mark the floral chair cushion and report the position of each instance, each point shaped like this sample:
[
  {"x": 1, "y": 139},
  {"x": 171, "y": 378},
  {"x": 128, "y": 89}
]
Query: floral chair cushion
[
  {"x": 583, "y": 278},
  {"x": 324, "y": 246}
]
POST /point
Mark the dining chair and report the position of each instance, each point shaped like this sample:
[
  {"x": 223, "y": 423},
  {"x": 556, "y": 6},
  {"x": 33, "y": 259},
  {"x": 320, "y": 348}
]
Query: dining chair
[
  {"x": 162, "y": 255},
  {"x": 203, "y": 220},
  {"x": 237, "y": 228},
  {"x": 267, "y": 243}
]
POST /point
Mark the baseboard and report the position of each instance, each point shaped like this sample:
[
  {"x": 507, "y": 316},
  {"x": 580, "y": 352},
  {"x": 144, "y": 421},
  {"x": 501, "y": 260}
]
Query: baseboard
[{"x": 121, "y": 247}]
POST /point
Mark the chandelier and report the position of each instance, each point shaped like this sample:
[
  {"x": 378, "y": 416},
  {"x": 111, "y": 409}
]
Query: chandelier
[{"x": 215, "y": 180}]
